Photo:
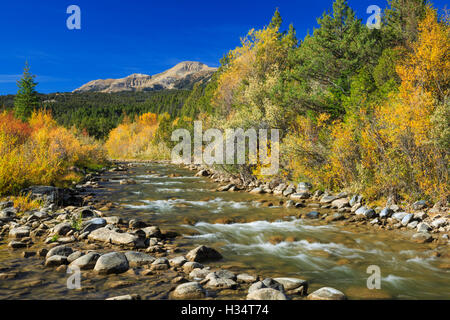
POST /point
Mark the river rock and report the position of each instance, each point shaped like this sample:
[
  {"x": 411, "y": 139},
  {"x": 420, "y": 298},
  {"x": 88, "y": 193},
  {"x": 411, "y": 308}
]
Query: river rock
[
  {"x": 266, "y": 283},
  {"x": 177, "y": 261},
  {"x": 439, "y": 223},
  {"x": 189, "y": 266},
  {"x": 419, "y": 205},
  {"x": 152, "y": 232},
  {"x": 386, "y": 213},
  {"x": 326, "y": 198},
  {"x": 74, "y": 256},
  {"x": 420, "y": 216},
  {"x": 220, "y": 283},
  {"x": 84, "y": 212},
  {"x": 138, "y": 259},
  {"x": 8, "y": 214},
  {"x": 19, "y": 232},
  {"x": 300, "y": 196},
  {"x": 407, "y": 219},
  {"x": 289, "y": 190},
  {"x": 246, "y": 278},
  {"x": 136, "y": 224},
  {"x": 56, "y": 261},
  {"x": 93, "y": 224},
  {"x": 203, "y": 253},
  {"x": 113, "y": 220},
  {"x": 160, "y": 264},
  {"x": 290, "y": 284},
  {"x": 423, "y": 227},
  {"x": 17, "y": 244},
  {"x": 113, "y": 262},
  {"x": 366, "y": 212},
  {"x": 62, "y": 250},
  {"x": 86, "y": 262},
  {"x": 422, "y": 237},
  {"x": 327, "y": 293},
  {"x": 399, "y": 215},
  {"x": 340, "y": 203},
  {"x": 199, "y": 274},
  {"x": 62, "y": 228},
  {"x": 412, "y": 224},
  {"x": 110, "y": 236},
  {"x": 187, "y": 291},
  {"x": 266, "y": 294}
]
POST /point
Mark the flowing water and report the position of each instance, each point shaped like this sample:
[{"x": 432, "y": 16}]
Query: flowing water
[{"x": 270, "y": 241}]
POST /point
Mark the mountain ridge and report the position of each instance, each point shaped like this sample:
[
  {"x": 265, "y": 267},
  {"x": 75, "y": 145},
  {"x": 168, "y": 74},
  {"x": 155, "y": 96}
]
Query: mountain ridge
[{"x": 181, "y": 76}]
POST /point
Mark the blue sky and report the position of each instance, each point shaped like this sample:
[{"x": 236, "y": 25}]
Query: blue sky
[{"x": 118, "y": 38}]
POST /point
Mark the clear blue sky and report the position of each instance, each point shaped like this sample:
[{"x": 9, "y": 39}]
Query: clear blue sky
[{"x": 118, "y": 38}]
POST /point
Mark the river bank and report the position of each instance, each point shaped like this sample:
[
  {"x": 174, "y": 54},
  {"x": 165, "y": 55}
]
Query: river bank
[{"x": 151, "y": 260}]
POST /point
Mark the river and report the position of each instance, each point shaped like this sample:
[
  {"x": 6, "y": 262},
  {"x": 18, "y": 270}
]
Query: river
[{"x": 259, "y": 239}]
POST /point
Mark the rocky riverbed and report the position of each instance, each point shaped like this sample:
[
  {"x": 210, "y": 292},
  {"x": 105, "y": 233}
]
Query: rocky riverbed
[{"x": 133, "y": 250}]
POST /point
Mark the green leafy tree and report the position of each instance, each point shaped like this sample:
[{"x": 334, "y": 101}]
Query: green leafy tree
[{"x": 27, "y": 98}]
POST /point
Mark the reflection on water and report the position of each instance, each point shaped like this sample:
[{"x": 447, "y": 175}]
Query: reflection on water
[{"x": 269, "y": 241}]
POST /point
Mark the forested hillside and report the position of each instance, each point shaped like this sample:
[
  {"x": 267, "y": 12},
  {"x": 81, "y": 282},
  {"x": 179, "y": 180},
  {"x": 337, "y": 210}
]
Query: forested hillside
[{"x": 99, "y": 113}]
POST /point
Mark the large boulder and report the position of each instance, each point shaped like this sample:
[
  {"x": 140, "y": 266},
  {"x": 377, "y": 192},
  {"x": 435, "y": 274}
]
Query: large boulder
[
  {"x": 113, "y": 262},
  {"x": 203, "y": 253},
  {"x": 188, "y": 291},
  {"x": 327, "y": 293}
]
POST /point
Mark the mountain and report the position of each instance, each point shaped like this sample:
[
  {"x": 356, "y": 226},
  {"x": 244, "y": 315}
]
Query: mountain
[{"x": 181, "y": 76}]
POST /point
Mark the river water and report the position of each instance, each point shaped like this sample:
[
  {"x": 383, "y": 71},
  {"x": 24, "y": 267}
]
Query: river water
[{"x": 269, "y": 241}]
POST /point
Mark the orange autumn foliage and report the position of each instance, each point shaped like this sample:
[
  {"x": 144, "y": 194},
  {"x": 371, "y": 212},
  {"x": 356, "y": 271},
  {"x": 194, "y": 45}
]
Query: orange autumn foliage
[{"x": 40, "y": 152}]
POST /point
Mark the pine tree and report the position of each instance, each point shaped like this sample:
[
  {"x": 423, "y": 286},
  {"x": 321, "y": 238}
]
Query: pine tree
[
  {"x": 276, "y": 20},
  {"x": 26, "y": 99},
  {"x": 324, "y": 63},
  {"x": 400, "y": 22}
]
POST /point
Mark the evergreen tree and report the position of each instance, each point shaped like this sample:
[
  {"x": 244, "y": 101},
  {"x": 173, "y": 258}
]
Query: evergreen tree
[
  {"x": 26, "y": 99},
  {"x": 276, "y": 20},
  {"x": 401, "y": 20},
  {"x": 323, "y": 65}
]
